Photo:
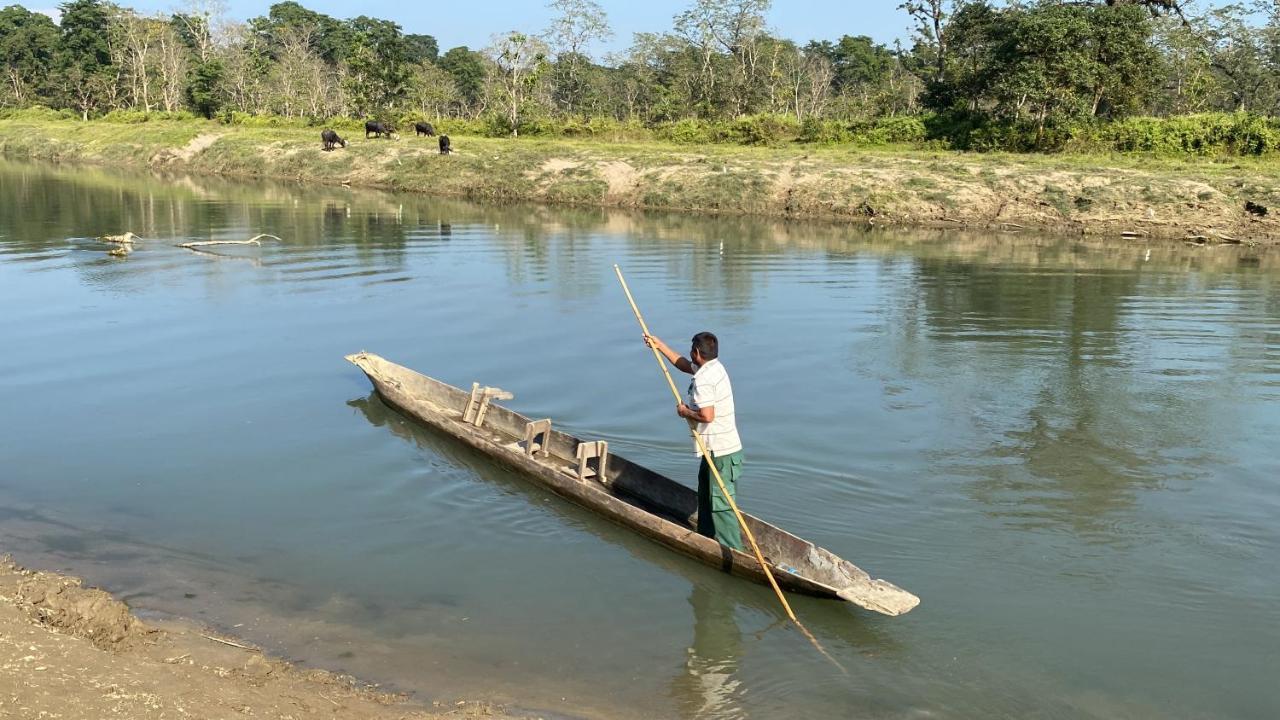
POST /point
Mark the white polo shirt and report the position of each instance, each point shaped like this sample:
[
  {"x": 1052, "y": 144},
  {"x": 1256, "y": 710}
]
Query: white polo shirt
[{"x": 710, "y": 387}]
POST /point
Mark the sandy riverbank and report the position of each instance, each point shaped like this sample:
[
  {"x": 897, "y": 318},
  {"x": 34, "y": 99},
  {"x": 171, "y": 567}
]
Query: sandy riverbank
[
  {"x": 72, "y": 652},
  {"x": 1124, "y": 197}
]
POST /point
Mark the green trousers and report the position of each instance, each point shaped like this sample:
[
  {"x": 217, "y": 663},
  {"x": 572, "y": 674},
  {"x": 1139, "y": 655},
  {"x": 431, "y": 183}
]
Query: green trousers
[{"x": 715, "y": 516}]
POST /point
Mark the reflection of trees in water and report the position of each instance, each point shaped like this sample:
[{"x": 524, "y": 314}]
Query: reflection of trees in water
[
  {"x": 556, "y": 245},
  {"x": 1095, "y": 423},
  {"x": 1063, "y": 327},
  {"x": 46, "y": 204}
]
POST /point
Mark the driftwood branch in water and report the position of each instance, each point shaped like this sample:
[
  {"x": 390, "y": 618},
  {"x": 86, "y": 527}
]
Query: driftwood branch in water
[{"x": 251, "y": 241}]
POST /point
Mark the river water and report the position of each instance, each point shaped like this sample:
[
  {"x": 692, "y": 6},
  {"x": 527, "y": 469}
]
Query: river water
[{"x": 1068, "y": 451}]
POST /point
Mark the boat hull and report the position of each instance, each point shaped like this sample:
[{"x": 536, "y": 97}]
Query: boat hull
[{"x": 632, "y": 496}]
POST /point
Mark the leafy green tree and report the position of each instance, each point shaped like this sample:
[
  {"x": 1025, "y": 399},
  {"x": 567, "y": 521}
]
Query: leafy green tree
[
  {"x": 467, "y": 69},
  {"x": 1061, "y": 63},
  {"x": 1244, "y": 54},
  {"x": 84, "y": 61},
  {"x": 377, "y": 65},
  {"x": 974, "y": 35},
  {"x": 637, "y": 79},
  {"x": 247, "y": 65},
  {"x": 855, "y": 61},
  {"x": 84, "y": 25},
  {"x": 1189, "y": 83},
  {"x": 422, "y": 48},
  {"x": 1124, "y": 65},
  {"x": 931, "y": 26},
  {"x": 725, "y": 35},
  {"x": 330, "y": 39},
  {"x": 28, "y": 45},
  {"x": 204, "y": 87}
]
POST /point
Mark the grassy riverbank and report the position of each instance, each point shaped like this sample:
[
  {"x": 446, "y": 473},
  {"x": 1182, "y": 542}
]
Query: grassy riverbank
[{"x": 1088, "y": 194}]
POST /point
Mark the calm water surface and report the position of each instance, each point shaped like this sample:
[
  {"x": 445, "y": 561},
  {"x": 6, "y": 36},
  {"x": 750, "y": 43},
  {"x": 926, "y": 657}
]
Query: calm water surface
[{"x": 1069, "y": 453}]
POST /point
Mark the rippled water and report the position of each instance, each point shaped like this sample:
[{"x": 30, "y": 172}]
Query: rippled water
[{"x": 1068, "y": 451}]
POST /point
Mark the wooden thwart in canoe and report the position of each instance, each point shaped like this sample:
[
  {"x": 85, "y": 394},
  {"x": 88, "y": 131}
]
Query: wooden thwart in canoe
[{"x": 585, "y": 473}]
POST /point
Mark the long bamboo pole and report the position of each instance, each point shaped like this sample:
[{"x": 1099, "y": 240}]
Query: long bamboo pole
[
  {"x": 706, "y": 454},
  {"x": 715, "y": 473}
]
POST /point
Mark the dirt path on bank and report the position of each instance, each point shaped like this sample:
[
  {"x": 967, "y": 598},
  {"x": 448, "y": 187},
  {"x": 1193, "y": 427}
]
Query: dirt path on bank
[{"x": 74, "y": 653}]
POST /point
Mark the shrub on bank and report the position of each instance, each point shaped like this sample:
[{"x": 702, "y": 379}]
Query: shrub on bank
[
  {"x": 898, "y": 130},
  {"x": 1207, "y": 134},
  {"x": 686, "y": 132},
  {"x": 1201, "y": 135},
  {"x": 243, "y": 119},
  {"x": 763, "y": 130},
  {"x": 133, "y": 117},
  {"x": 824, "y": 132},
  {"x": 599, "y": 128},
  {"x": 37, "y": 112}
]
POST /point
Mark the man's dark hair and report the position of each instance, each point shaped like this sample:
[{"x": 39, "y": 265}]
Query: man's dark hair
[{"x": 707, "y": 344}]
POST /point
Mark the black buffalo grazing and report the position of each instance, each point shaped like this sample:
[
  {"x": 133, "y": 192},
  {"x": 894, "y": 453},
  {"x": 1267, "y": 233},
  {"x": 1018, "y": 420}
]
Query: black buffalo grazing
[
  {"x": 424, "y": 128},
  {"x": 445, "y": 147},
  {"x": 378, "y": 129},
  {"x": 331, "y": 140}
]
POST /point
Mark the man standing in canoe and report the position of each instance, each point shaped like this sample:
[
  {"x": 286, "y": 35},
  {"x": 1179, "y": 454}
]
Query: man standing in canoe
[{"x": 710, "y": 405}]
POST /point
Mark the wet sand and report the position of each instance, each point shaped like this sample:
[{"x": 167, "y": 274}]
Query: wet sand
[{"x": 67, "y": 651}]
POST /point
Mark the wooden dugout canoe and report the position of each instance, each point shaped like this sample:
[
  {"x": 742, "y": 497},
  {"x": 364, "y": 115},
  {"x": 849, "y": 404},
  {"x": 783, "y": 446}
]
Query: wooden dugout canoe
[{"x": 631, "y": 495}]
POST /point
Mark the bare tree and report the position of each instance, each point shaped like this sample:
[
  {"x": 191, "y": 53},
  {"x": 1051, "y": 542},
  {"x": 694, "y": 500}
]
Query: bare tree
[
  {"x": 730, "y": 26},
  {"x": 811, "y": 77},
  {"x": 245, "y": 70},
  {"x": 134, "y": 40},
  {"x": 17, "y": 85},
  {"x": 432, "y": 90},
  {"x": 577, "y": 24},
  {"x": 171, "y": 63},
  {"x": 297, "y": 73},
  {"x": 519, "y": 61},
  {"x": 206, "y": 24}
]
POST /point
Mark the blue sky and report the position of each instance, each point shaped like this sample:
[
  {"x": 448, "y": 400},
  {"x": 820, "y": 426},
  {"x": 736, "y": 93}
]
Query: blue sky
[
  {"x": 471, "y": 23},
  {"x": 455, "y": 22}
]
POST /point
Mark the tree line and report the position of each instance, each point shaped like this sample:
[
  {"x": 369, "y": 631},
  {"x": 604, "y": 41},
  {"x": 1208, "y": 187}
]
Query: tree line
[{"x": 1030, "y": 70}]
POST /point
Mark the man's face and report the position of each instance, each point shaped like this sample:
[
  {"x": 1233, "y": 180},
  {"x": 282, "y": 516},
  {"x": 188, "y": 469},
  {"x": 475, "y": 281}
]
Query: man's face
[{"x": 694, "y": 356}]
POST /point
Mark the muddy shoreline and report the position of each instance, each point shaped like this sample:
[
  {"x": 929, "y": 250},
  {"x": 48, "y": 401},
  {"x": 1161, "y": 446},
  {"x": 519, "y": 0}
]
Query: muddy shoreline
[
  {"x": 72, "y": 651},
  {"x": 1122, "y": 198}
]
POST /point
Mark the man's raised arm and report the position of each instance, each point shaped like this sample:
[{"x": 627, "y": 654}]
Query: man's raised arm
[{"x": 681, "y": 363}]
